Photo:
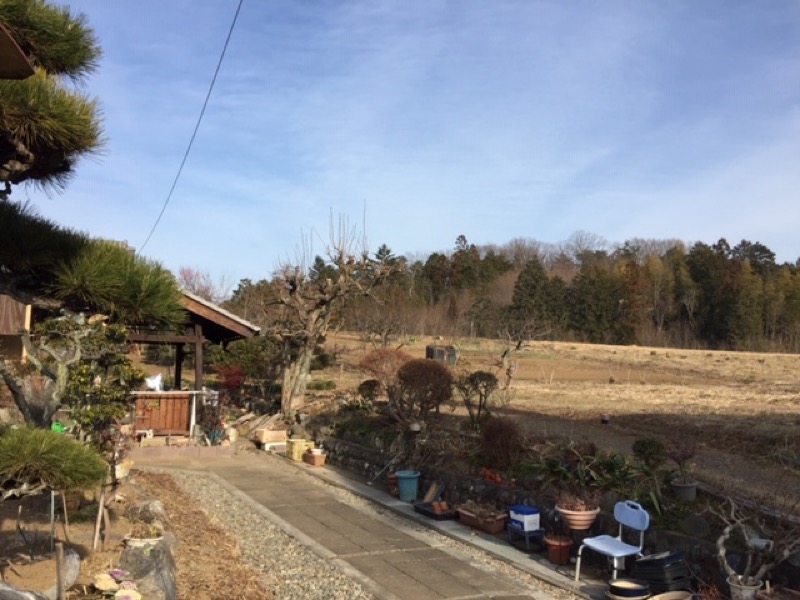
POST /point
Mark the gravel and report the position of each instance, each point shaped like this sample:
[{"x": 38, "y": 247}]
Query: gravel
[{"x": 291, "y": 570}]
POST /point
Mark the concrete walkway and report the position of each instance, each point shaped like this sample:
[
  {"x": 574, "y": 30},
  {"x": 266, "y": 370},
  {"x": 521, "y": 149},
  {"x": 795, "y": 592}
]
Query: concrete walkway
[{"x": 392, "y": 560}]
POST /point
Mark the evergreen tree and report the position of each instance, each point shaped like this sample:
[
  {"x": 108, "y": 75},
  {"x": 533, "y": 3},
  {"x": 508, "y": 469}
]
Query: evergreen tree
[{"x": 46, "y": 125}]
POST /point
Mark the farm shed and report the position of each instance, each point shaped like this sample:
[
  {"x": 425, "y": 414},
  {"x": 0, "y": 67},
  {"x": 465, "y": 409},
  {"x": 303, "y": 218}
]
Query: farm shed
[{"x": 446, "y": 354}]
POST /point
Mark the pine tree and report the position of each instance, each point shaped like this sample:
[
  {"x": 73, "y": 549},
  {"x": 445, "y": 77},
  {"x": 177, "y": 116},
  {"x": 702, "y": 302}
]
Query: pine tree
[{"x": 46, "y": 124}]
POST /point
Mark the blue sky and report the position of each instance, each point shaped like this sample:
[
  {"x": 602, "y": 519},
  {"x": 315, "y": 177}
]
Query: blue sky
[{"x": 429, "y": 119}]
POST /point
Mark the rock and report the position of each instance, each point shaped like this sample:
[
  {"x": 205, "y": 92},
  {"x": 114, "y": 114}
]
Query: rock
[
  {"x": 153, "y": 569},
  {"x": 149, "y": 511},
  {"x": 9, "y": 592}
]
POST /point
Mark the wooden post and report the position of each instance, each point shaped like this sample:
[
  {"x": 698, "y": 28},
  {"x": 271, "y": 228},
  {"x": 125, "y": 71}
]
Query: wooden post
[
  {"x": 179, "y": 355},
  {"x": 198, "y": 357},
  {"x": 66, "y": 516},
  {"x": 100, "y": 512}
]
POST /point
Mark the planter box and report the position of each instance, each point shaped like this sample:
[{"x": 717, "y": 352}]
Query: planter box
[
  {"x": 426, "y": 508},
  {"x": 315, "y": 460},
  {"x": 490, "y": 525},
  {"x": 270, "y": 436}
]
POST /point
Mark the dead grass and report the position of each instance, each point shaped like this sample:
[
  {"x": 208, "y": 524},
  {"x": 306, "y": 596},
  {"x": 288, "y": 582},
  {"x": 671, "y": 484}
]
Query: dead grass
[{"x": 742, "y": 408}]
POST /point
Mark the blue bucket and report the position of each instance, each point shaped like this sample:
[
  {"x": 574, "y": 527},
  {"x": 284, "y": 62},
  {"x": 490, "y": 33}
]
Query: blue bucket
[{"x": 407, "y": 482}]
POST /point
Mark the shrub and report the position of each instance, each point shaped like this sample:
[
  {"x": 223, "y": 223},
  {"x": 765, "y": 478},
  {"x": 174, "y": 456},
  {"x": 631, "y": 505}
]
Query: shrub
[
  {"x": 422, "y": 385},
  {"x": 475, "y": 390},
  {"x": 369, "y": 389},
  {"x": 383, "y": 364},
  {"x": 650, "y": 451},
  {"x": 40, "y": 458},
  {"x": 230, "y": 377},
  {"x": 502, "y": 442},
  {"x": 321, "y": 385}
]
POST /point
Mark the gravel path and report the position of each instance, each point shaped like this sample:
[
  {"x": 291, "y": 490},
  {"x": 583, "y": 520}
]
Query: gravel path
[{"x": 291, "y": 570}]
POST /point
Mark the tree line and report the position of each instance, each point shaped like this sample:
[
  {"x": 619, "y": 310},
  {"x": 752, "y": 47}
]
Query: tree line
[{"x": 650, "y": 292}]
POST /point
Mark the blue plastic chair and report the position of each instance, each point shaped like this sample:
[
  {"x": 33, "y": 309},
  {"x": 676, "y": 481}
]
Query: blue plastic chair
[{"x": 628, "y": 514}]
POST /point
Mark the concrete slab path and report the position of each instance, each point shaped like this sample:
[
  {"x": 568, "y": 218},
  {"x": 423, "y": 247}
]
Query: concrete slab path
[{"x": 393, "y": 561}]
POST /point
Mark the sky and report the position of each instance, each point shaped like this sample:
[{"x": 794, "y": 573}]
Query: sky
[{"x": 417, "y": 121}]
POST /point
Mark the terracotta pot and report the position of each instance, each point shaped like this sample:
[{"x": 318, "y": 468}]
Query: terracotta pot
[
  {"x": 394, "y": 488},
  {"x": 558, "y": 547},
  {"x": 578, "y": 520}
]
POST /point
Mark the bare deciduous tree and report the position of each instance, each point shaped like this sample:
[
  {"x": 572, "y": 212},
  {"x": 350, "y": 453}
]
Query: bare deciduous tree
[
  {"x": 309, "y": 303},
  {"x": 201, "y": 283}
]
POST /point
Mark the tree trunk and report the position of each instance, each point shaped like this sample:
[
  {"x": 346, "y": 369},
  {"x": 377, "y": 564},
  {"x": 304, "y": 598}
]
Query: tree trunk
[{"x": 295, "y": 379}]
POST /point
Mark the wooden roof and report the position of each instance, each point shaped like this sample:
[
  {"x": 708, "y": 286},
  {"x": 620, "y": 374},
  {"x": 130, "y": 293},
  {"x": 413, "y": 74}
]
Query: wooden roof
[
  {"x": 218, "y": 324},
  {"x": 13, "y": 62}
]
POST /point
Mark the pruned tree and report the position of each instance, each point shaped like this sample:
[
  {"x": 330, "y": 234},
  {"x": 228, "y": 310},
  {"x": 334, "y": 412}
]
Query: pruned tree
[
  {"x": 476, "y": 389},
  {"x": 309, "y": 304},
  {"x": 46, "y": 125},
  {"x": 56, "y": 351},
  {"x": 422, "y": 386},
  {"x": 765, "y": 533}
]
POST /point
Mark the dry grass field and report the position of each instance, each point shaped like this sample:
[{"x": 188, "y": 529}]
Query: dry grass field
[{"x": 742, "y": 409}]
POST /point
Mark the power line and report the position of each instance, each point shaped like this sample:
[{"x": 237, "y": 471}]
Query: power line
[{"x": 196, "y": 127}]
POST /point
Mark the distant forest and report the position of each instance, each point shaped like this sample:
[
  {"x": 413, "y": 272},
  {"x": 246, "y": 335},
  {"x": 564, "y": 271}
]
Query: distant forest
[{"x": 648, "y": 292}]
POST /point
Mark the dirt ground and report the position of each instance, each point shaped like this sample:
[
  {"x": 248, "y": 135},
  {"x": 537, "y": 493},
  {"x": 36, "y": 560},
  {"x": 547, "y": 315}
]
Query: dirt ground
[{"x": 207, "y": 558}]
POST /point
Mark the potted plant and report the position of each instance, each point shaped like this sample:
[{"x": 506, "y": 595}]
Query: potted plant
[
  {"x": 144, "y": 534},
  {"x": 573, "y": 472},
  {"x": 684, "y": 486},
  {"x": 753, "y": 542},
  {"x": 482, "y": 516},
  {"x": 578, "y": 508}
]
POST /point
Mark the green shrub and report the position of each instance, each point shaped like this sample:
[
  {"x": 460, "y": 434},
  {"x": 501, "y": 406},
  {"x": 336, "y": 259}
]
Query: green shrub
[
  {"x": 43, "y": 457},
  {"x": 321, "y": 385},
  {"x": 650, "y": 451}
]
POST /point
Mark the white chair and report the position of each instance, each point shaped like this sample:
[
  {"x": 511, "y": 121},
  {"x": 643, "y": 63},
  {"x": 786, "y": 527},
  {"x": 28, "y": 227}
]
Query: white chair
[{"x": 628, "y": 514}]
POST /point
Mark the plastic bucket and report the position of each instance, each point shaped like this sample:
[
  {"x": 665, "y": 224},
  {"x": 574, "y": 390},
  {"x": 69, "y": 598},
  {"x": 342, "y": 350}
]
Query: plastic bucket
[{"x": 407, "y": 482}]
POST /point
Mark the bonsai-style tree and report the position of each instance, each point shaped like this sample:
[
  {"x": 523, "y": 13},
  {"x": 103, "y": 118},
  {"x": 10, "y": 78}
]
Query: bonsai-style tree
[
  {"x": 476, "y": 389},
  {"x": 764, "y": 538},
  {"x": 32, "y": 460},
  {"x": 76, "y": 361},
  {"x": 46, "y": 125},
  {"x": 681, "y": 453}
]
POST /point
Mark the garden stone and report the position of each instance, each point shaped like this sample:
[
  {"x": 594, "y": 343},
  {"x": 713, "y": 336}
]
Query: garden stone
[
  {"x": 9, "y": 592},
  {"x": 148, "y": 511},
  {"x": 153, "y": 569}
]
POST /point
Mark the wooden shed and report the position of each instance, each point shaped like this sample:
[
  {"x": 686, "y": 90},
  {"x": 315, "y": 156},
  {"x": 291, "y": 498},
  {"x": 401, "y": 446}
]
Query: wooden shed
[{"x": 173, "y": 413}]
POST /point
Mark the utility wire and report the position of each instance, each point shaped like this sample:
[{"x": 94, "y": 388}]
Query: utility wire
[{"x": 196, "y": 127}]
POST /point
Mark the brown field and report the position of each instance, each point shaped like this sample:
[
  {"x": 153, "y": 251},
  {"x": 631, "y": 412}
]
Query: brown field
[{"x": 742, "y": 409}]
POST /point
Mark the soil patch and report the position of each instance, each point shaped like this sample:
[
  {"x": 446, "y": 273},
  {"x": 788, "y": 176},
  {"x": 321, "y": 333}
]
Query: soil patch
[{"x": 209, "y": 563}]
